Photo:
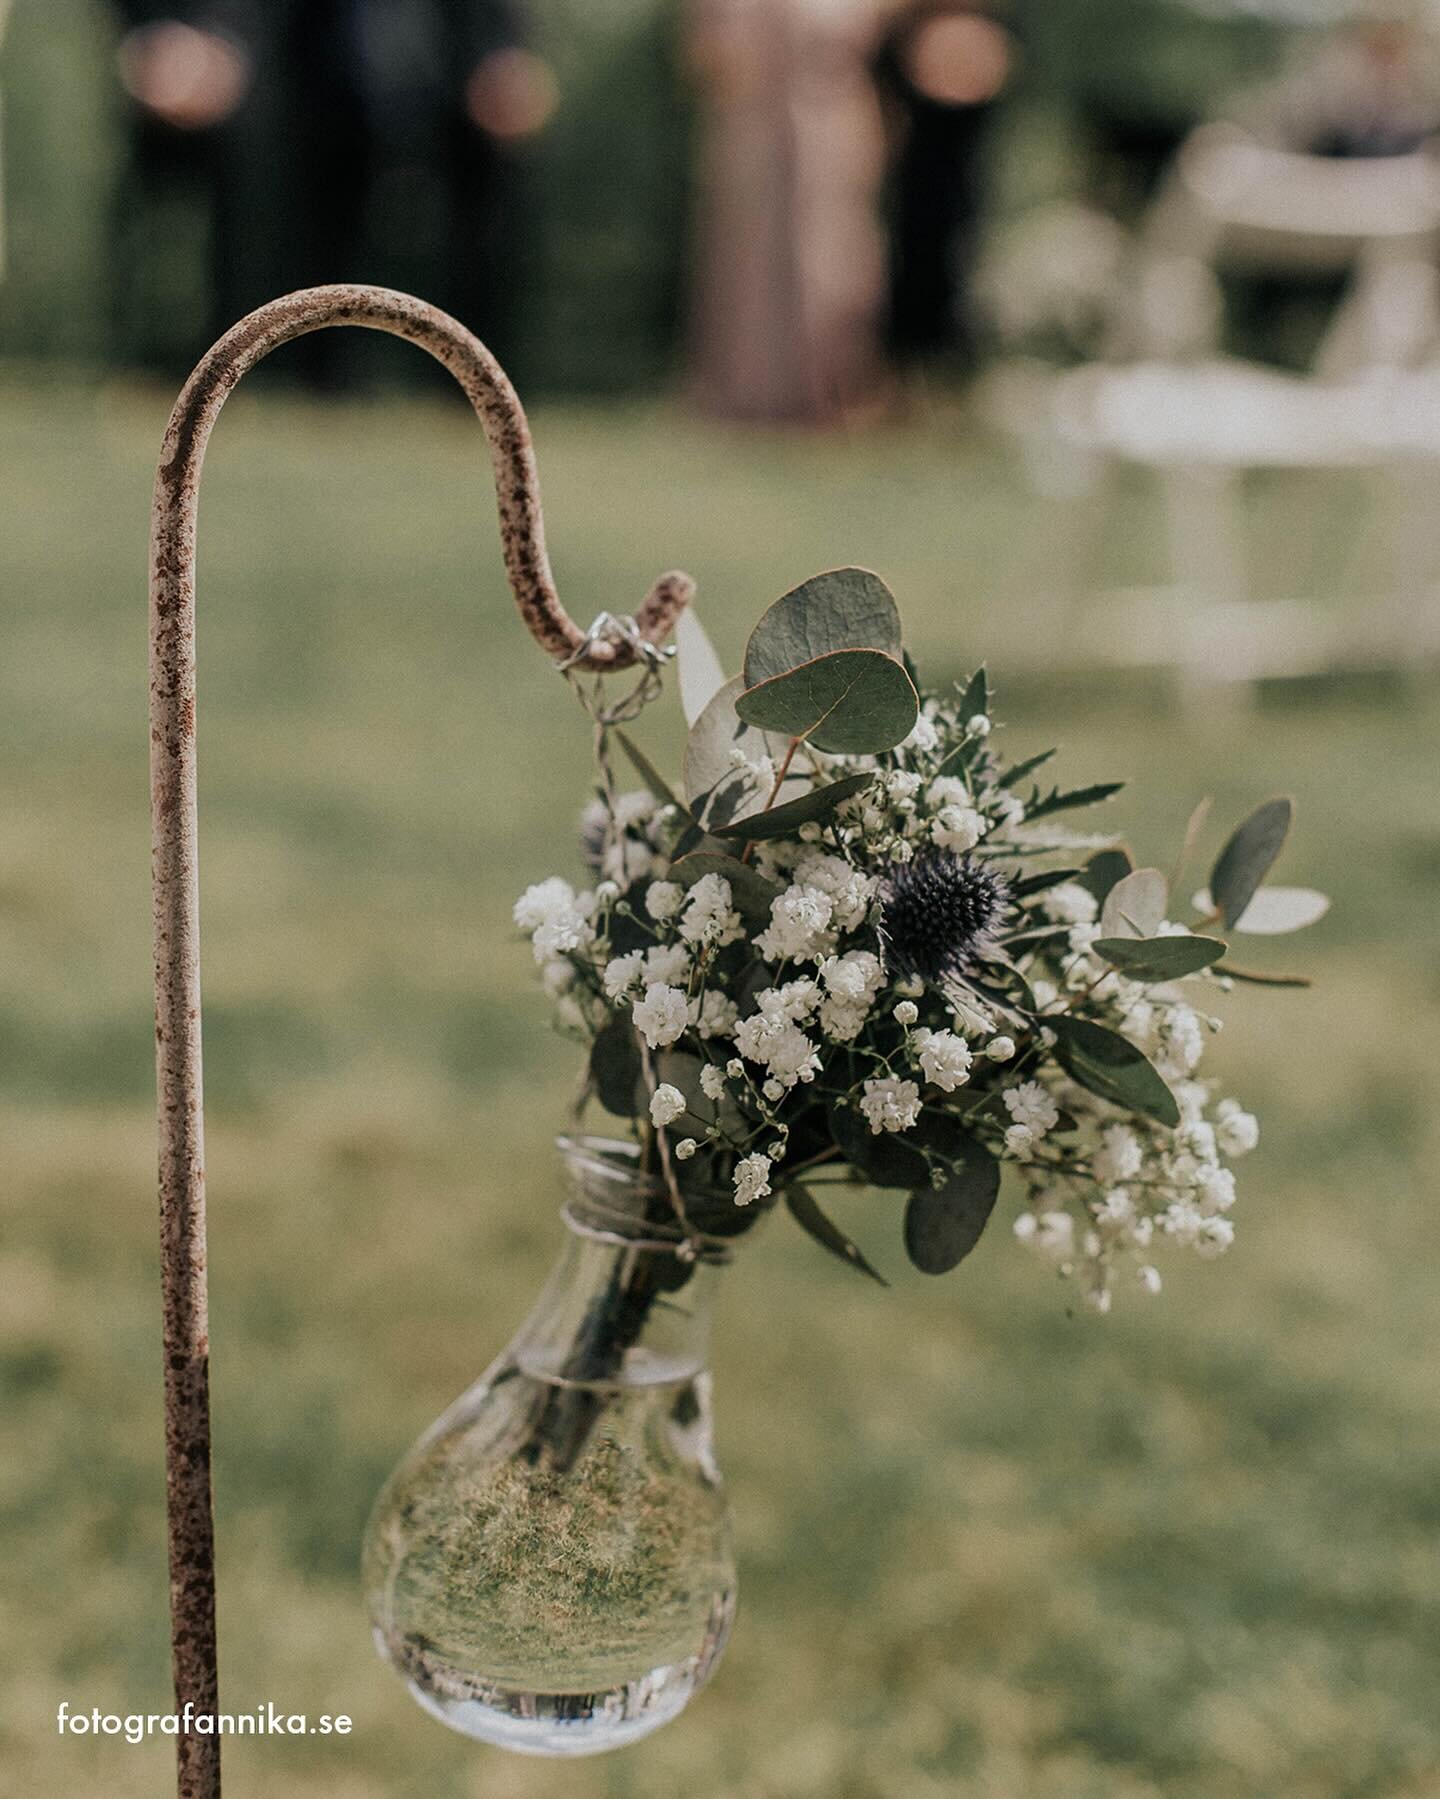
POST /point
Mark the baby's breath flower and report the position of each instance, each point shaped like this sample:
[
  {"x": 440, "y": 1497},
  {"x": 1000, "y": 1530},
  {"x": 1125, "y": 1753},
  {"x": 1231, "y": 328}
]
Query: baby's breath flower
[
  {"x": 667, "y": 1103},
  {"x": 1052, "y": 1234},
  {"x": 799, "y": 925},
  {"x": 957, "y": 828},
  {"x": 662, "y": 1015},
  {"x": 1020, "y": 1141},
  {"x": 709, "y": 916},
  {"x": 1032, "y": 1107},
  {"x": 1000, "y": 1049},
  {"x": 945, "y": 1058},
  {"x": 714, "y": 1015},
  {"x": 663, "y": 899},
  {"x": 685, "y": 1148},
  {"x": 890, "y": 1104},
  {"x": 668, "y": 962},
  {"x": 978, "y": 725},
  {"x": 1236, "y": 1130},
  {"x": 712, "y": 1082},
  {"x": 622, "y": 973},
  {"x": 752, "y": 1178},
  {"x": 545, "y": 901},
  {"x": 906, "y": 1012}
]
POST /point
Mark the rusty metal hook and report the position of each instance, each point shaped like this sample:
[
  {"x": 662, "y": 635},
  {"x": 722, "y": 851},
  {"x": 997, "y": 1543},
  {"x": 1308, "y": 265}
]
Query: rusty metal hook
[{"x": 174, "y": 870}]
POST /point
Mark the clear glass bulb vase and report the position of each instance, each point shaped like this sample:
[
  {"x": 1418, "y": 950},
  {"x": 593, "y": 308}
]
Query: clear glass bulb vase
[{"x": 550, "y": 1567}]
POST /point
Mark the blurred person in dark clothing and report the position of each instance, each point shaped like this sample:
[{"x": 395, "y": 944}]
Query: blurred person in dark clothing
[
  {"x": 344, "y": 140},
  {"x": 941, "y": 68}
]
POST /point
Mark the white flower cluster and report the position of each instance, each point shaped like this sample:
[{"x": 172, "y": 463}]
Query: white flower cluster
[{"x": 1143, "y": 1184}]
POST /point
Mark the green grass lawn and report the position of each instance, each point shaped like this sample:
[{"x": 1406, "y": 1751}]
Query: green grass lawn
[{"x": 989, "y": 1549}]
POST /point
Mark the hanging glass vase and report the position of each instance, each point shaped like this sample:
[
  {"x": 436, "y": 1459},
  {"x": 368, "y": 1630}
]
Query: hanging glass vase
[{"x": 550, "y": 1568}]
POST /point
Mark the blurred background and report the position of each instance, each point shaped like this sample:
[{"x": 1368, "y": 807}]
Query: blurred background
[{"x": 1107, "y": 334}]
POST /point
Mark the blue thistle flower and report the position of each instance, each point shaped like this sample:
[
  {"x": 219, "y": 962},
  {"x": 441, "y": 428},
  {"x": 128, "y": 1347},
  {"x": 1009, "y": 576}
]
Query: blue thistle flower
[{"x": 939, "y": 913}]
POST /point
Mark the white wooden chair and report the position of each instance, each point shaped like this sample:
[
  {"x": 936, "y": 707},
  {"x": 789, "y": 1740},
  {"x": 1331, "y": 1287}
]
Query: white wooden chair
[{"x": 1168, "y": 402}]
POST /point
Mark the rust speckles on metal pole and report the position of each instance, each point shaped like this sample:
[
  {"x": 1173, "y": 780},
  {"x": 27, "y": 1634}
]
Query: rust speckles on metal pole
[{"x": 177, "y": 922}]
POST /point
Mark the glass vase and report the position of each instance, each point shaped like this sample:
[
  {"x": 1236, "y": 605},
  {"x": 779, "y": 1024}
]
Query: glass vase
[{"x": 550, "y": 1568}]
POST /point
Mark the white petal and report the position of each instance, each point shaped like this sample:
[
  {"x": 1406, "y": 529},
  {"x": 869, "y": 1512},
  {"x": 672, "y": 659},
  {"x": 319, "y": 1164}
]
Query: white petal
[
  {"x": 1273, "y": 911},
  {"x": 701, "y": 676}
]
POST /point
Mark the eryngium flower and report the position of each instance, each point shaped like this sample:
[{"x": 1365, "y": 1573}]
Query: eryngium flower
[{"x": 939, "y": 913}]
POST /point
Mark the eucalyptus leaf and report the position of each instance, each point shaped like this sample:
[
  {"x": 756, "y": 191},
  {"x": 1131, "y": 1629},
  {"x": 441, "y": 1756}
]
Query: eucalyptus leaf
[
  {"x": 712, "y": 782},
  {"x": 1194, "y": 825},
  {"x": 814, "y": 1223},
  {"x": 810, "y": 808},
  {"x": 1247, "y": 858},
  {"x": 1159, "y": 958},
  {"x": 615, "y": 1067},
  {"x": 1103, "y": 870},
  {"x": 1135, "y": 905},
  {"x": 943, "y": 1224},
  {"x": 849, "y": 702},
  {"x": 843, "y": 609},
  {"x": 700, "y": 673},
  {"x": 1110, "y": 1066},
  {"x": 1273, "y": 911},
  {"x": 752, "y": 893}
]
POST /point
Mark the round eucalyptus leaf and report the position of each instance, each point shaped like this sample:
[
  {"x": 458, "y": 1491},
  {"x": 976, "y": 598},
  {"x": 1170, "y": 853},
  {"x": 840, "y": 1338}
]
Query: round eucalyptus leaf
[
  {"x": 850, "y": 703},
  {"x": 1135, "y": 905},
  {"x": 844, "y": 609},
  {"x": 943, "y": 1224},
  {"x": 1159, "y": 958},
  {"x": 710, "y": 775}
]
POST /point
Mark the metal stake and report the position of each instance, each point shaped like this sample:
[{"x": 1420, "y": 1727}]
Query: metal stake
[{"x": 615, "y": 645}]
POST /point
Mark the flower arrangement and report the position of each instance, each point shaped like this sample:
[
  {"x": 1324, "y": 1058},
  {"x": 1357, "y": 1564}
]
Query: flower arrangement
[{"x": 854, "y": 944}]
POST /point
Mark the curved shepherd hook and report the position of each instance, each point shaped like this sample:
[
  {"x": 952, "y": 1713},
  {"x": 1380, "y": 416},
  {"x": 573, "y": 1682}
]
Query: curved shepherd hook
[{"x": 610, "y": 645}]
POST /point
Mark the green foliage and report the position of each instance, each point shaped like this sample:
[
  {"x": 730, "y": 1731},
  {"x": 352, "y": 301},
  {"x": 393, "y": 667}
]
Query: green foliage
[
  {"x": 844, "y": 609},
  {"x": 615, "y": 1067},
  {"x": 1275, "y": 911},
  {"x": 783, "y": 821},
  {"x": 813, "y": 1221},
  {"x": 852, "y": 702},
  {"x": 1104, "y": 869},
  {"x": 1109, "y": 1065},
  {"x": 1044, "y": 806},
  {"x": 1159, "y": 958},
  {"x": 1247, "y": 857},
  {"x": 713, "y": 785},
  {"x": 943, "y": 1224},
  {"x": 649, "y": 774},
  {"x": 1135, "y": 905}
]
